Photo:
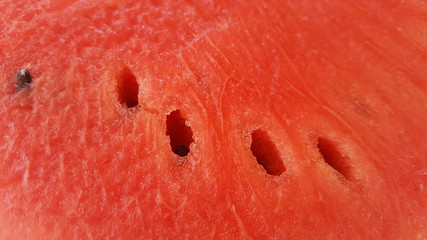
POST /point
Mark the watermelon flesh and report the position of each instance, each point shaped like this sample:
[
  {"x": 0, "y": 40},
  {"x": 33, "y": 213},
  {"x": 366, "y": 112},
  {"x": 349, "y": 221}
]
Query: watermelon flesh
[{"x": 177, "y": 119}]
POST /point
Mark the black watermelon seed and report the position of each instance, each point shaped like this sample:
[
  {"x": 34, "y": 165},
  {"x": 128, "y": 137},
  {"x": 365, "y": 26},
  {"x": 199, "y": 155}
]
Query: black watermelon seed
[{"x": 23, "y": 80}]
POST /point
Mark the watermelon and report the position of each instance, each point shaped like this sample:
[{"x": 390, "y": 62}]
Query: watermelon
[{"x": 213, "y": 119}]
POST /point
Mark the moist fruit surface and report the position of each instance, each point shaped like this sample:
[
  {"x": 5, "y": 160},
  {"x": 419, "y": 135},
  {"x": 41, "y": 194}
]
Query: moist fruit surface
[{"x": 213, "y": 119}]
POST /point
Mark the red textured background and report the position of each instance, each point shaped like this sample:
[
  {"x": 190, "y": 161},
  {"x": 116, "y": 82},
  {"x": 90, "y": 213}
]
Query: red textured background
[{"x": 74, "y": 163}]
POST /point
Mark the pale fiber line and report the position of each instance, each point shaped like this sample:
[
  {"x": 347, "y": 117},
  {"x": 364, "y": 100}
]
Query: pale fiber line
[
  {"x": 241, "y": 225},
  {"x": 27, "y": 171}
]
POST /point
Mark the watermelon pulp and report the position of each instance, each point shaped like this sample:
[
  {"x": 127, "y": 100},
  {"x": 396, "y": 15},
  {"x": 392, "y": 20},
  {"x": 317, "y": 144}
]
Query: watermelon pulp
[{"x": 175, "y": 119}]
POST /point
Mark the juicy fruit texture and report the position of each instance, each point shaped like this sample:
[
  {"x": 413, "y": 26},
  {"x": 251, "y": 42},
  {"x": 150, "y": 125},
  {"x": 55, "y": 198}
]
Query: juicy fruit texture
[{"x": 289, "y": 120}]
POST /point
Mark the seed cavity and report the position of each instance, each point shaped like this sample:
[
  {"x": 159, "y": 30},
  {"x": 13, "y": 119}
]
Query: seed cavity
[
  {"x": 181, "y": 135},
  {"x": 128, "y": 88},
  {"x": 22, "y": 80},
  {"x": 266, "y": 153},
  {"x": 333, "y": 157}
]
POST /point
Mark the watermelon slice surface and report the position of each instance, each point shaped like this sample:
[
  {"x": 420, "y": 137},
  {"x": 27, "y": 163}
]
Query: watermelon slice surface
[{"x": 213, "y": 119}]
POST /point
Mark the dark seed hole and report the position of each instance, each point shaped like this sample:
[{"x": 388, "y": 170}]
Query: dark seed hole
[
  {"x": 333, "y": 157},
  {"x": 128, "y": 88},
  {"x": 266, "y": 153},
  {"x": 23, "y": 80},
  {"x": 181, "y": 135},
  {"x": 181, "y": 150}
]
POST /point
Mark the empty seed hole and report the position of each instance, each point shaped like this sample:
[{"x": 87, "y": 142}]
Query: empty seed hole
[
  {"x": 266, "y": 153},
  {"x": 181, "y": 135},
  {"x": 333, "y": 157},
  {"x": 128, "y": 88}
]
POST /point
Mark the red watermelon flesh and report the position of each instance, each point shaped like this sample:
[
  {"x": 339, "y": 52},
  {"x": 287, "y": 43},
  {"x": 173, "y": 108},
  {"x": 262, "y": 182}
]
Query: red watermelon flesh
[{"x": 213, "y": 119}]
